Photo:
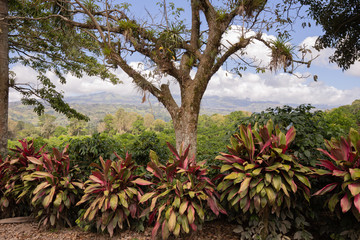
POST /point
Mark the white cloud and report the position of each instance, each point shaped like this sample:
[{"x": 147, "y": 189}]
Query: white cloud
[
  {"x": 354, "y": 70},
  {"x": 324, "y": 55},
  {"x": 283, "y": 88}
]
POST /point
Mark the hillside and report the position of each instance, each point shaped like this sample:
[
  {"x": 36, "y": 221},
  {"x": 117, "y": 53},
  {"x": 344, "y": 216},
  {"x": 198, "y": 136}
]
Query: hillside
[{"x": 97, "y": 105}]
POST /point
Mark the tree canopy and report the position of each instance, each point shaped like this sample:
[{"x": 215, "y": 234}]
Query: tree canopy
[{"x": 341, "y": 23}]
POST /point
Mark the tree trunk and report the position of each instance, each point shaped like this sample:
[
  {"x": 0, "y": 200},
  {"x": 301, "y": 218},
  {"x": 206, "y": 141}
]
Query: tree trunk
[
  {"x": 4, "y": 77},
  {"x": 185, "y": 125}
]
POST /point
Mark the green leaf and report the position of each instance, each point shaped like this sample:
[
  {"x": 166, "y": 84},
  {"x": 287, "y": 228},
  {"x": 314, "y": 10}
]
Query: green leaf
[
  {"x": 58, "y": 200},
  {"x": 225, "y": 167},
  {"x": 270, "y": 194},
  {"x": 41, "y": 186},
  {"x": 333, "y": 201},
  {"x": 232, "y": 175},
  {"x": 303, "y": 179},
  {"x": 183, "y": 207},
  {"x": 172, "y": 221},
  {"x": 199, "y": 210},
  {"x": 268, "y": 178},
  {"x": 249, "y": 166},
  {"x": 256, "y": 172},
  {"x": 191, "y": 214},
  {"x": 47, "y": 200},
  {"x": 244, "y": 185},
  {"x": 113, "y": 201},
  {"x": 276, "y": 182},
  {"x": 259, "y": 187},
  {"x": 355, "y": 173},
  {"x": 185, "y": 224},
  {"x": 146, "y": 196}
]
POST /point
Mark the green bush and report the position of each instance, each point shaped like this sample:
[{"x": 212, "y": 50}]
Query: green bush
[{"x": 142, "y": 145}]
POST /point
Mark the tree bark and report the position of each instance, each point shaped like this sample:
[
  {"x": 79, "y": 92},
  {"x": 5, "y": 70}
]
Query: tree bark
[
  {"x": 4, "y": 77},
  {"x": 185, "y": 126}
]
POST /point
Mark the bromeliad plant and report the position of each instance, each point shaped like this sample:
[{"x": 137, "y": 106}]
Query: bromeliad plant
[
  {"x": 259, "y": 174},
  {"x": 13, "y": 168},
  {"x": 181, "y": 195},
  {"x": 344, "y": 167},
  {"x": 52, "y": 187},
  {"x": 112, "y": 194}
]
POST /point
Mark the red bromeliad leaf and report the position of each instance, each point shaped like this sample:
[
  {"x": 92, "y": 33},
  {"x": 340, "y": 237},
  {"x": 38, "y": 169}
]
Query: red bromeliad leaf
[
  {"x": 142, "y": 182},
  {"x": 290, "y": 135},
  {"x": 96, "y": 179},
  {"x": 133, "y": 209},
  {"x": 173, "y": 150},
  {"x": 345, "y": 204},
  {"x": 327, "y": 164},
  {"x": 213, "y": 206},
  {"x": 35, "y": 160},
  {"x": 354, "y": 188},
  {"x": 154, "y": 169},
  {"x": 155, "y": 229},
  {"x": 193, "y": 227},
  {"x": 329, "y": 155},
  {"x": 339, "y": 173},
  {"x": 327, "y": 188},
  {"x": 357, "y": 202},
  {"x": 191, "y": 214}
]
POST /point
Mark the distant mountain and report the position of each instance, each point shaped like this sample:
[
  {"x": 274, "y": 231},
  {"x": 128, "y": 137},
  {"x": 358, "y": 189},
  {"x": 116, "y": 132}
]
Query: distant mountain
[{"x": 97, "y": 105}]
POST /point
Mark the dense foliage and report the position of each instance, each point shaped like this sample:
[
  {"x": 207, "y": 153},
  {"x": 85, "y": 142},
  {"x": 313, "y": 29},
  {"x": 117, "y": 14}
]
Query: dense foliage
[
  {"x": 344, "y": 167},
  {"x": 263, "y": 173},
  {"x": 53, "y": 187},
  {"x": 181, "y": 194},
  {"x": 312, "y": 127},
  {"x": 260, "y": 175},
  {"x": 112, "y": 195}
]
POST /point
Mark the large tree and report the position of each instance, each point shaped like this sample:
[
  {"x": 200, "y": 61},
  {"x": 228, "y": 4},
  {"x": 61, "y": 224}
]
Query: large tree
[
  {"x": 187, "y": 53},
  {"x": 340, "y": 21},
  {"x": 4, "y": 77}
]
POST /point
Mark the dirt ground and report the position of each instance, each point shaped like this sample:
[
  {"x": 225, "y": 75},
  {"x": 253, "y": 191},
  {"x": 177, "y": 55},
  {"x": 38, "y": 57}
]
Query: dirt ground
[{"x": 30, "y": 231}]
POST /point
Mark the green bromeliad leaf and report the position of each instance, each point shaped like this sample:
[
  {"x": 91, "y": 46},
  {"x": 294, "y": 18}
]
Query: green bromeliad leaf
[
  {"x": 276, "y": 182},
  {"x": 355, "y": 173}
]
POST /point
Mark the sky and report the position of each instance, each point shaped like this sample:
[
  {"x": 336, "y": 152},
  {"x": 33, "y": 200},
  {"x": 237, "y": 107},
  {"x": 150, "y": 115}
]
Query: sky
[{"x": 334, "y": 86}]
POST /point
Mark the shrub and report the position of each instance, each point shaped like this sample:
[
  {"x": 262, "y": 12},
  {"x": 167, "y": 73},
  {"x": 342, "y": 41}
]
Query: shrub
[
  {"x": 12, "y": 170},
  {"x": 141, "y": 146},
  {"x": 311, "y": 129},
  {"x": 343, "y": 164},
  {"x": 51, "y": 185},
  {"x": 85, "y": 150},
  {"x": 181, "y": 194},
  {"x": 111, "y": 195},
  {"x": 259, "y": 175}
]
